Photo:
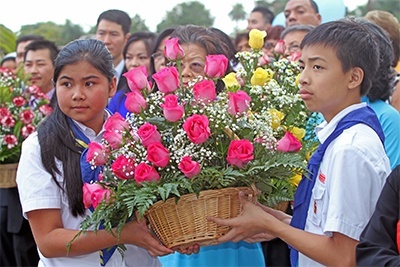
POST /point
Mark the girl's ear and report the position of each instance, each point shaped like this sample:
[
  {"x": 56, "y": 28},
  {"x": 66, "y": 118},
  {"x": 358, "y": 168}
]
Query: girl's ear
[
  {"x": 356, "y": 77},
  {"x": 113, "y": 87}
]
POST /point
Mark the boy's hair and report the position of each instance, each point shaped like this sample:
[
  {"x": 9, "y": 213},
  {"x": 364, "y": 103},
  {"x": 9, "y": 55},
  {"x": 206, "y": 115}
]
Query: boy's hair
[
  {"x": 354, "y": 46},
  {"x": 267, "y": 14},
  {"x": 383, "y": 83},
  {"x": 43, "y": 44},
  {"x": 28, "y": 37},
  {"x": 118, "y": 16}
]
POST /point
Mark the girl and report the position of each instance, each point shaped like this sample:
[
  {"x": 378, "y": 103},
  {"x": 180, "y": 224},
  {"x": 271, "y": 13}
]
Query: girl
[{"x": 49, "y": 175}]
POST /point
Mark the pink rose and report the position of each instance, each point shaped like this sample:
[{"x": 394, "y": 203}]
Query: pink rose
[
  {"x": 216, "y": 66},
  {"x": 189, "y": 167},
  {"x": 158, "y": 154},
  {"x": 19, "y": 101},
  {"x": 148, "y": 134},
  {"x": 145, "y": 173},
  {"x": 116, "y": 123},
  {"x": 135, "y": 102},
  {"x": 27, "y": 116},
  {"x": 264, "y": 60},
  {"x": 295, "y": 56},
  {"x": 97, "y": 154},
  {"x": 197, "y": 129},
  {"x": 205, "y": 91},
  {"x": 114, "y": 138},
  {"x": 27, "y": 130},
  {"x": 173, "y": 50},
  {"x": 88, "y": 190},
  {"x": 123, "y": 167},
  {"x": 288, "y": 143},
  {"x": 137, "y": 78},
  {"x": 240, "y": 152},
  {"x": 99, "y": 195},
  {"x": 238, "y": 102},
  {"x": 45, "y": 109},
  {"x": 171, "y": 109},
  {"x": 280, "y": 47},
  {"x": 167, "y": 80}
]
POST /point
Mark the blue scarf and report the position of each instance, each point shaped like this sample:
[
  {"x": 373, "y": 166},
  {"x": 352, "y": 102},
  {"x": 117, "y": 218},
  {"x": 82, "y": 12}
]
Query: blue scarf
[
  {"x": 89, "y": 175},
  {"x": 303, "y": 193}
]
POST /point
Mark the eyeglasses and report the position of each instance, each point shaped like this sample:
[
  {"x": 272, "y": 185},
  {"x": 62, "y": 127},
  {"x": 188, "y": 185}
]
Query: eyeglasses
[
  {"x": 269, "y": 45},
  {"x": 196, "y": 67},
  {"x": 158, "y": 56},
  {"x": 294, "y": 48}
]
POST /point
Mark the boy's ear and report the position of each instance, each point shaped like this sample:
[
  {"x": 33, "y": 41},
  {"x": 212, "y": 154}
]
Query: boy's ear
[
  {"x": 113, "y": 87},
  {"x": 356, "y": 78}
]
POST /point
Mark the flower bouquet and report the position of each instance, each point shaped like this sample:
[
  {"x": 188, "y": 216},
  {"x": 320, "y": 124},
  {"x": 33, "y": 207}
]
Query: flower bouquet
[
  {"x": 188, "y": 141},
  {"x": 17, "y": 119}
]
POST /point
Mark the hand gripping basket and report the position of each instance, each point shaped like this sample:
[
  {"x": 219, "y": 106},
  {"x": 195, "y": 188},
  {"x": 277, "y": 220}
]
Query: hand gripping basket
[{"x": 184, "y": 223}]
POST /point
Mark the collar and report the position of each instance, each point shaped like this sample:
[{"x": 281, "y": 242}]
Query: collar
[
  {"x": 325, "y": 129},
  {"x": 89, "y": 132}
]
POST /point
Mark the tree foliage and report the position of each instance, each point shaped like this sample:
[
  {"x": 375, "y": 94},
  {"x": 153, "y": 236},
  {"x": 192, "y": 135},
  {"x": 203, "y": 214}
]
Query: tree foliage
[
  {"x": 7, "y": 40},
  {"x": 187, "y": 13}
]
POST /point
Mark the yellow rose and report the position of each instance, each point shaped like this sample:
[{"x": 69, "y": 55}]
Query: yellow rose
[
  {"x": 230, "y": 80},
  {"x": 261, "y": 76},
  {"x": 299, "y": 133},
  {"x": 256, "y": 38},
  {"x": 276, "y": 118},
  {"x": 295, "y": 180},
  {"x": 297, "y": 79}
]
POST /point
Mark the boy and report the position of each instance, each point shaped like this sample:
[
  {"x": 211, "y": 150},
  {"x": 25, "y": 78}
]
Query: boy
[{"x": 347, "y": 172}]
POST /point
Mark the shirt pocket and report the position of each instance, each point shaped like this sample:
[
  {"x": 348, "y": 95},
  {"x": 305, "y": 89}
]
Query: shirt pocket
[{"x": 318, "y": 197}]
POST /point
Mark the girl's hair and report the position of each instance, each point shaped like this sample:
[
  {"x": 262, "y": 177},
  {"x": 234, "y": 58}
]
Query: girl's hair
[
  {"x": 54, "y": 133},
  {"x": 206, "y": 38},
  {"x": 147, "y": 38},
  {"x": 353, "y": 44}
]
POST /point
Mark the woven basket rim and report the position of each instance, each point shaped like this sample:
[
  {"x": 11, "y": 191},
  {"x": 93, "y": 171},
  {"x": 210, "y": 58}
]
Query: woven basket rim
[
  {"x": 180, "y": 223},
  {"x": 8, "y": 173}
]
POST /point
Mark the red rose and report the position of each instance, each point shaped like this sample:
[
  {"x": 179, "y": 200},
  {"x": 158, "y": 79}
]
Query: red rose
[
  {"x": 145, "y": 173},
  {"x": 116, "y": 123},
  {"x": 27, "y": 116},
  {"x": 240, "y": 152},
  {"x": 99, "y": 195},
  {"x": 123, "y": 167},
  {"x": 197, "y": 129},
  {"x": 189, "y": 167},
  {"x": 97, "y": 154}
]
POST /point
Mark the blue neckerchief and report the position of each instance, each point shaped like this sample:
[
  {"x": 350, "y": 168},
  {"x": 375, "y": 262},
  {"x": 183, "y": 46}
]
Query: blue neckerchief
[
  {"x": 89, "y": 175},
  {"x": 303, "y": 193}
]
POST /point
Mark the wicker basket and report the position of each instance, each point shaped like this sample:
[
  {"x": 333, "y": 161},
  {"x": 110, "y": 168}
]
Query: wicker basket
[
  {"x": 8, "y": 174},
  {"x": 181, "y": 224}
]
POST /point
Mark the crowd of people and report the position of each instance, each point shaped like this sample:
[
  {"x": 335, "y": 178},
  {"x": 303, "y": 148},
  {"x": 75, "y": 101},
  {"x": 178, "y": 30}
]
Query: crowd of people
[{"x": 346, "y": 214}]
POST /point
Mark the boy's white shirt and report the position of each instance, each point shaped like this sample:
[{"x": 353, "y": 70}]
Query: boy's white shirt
[{"x": 343, "y": 199}]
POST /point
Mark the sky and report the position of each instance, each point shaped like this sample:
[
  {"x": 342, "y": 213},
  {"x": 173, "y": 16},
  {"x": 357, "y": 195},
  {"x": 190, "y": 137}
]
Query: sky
[{"x": 85, "y": 12}]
